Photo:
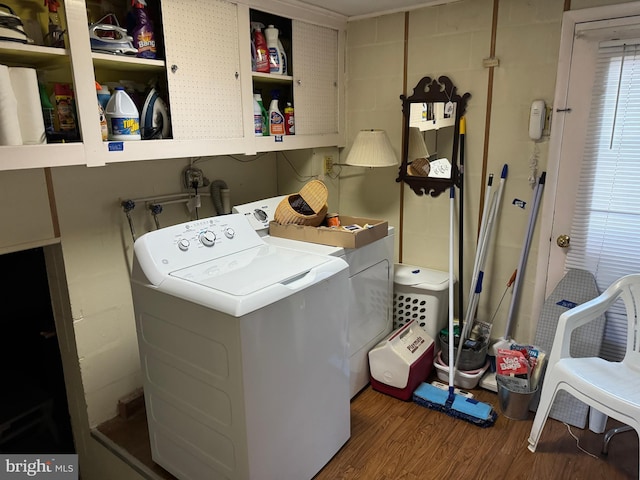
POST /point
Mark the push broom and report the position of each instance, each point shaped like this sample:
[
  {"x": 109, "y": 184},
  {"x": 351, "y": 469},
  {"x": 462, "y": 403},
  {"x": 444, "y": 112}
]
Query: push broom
[{"x": 448, "y": 401}]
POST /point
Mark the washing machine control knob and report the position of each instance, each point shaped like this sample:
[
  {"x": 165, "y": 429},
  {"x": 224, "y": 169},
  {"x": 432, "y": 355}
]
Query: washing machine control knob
[
  {"x": 229, "y": 232},
  {"x": 260, "y": 214},
  {"x": 183, "y": 244},
  {"x": 208, "y": 238}
]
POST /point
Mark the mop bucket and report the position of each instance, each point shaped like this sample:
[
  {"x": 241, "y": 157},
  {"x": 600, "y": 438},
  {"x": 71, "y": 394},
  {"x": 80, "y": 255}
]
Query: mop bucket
[{"x": 513, "y": 404}]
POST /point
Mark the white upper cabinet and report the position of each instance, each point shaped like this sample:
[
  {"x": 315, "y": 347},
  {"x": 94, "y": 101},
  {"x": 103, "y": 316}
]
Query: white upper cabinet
[
  {"x": 316, "y": 81},
  {"x": 313, "y": 85},
  {"x": 204, "y": 78},
  {"x": 202, "y": 72}
]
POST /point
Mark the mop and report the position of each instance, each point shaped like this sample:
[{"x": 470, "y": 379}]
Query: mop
[{"x": 449, "y": 402}]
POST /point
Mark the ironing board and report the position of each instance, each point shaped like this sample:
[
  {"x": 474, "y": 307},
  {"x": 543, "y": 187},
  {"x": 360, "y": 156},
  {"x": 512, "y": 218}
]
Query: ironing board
[{"x": 577, "y": 287}]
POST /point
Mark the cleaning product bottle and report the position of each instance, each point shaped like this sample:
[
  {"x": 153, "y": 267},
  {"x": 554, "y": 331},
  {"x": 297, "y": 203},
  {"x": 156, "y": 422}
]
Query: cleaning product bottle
[
  {"x": 140, "y": 27},
  {"x": 48, "y": 111},
  {"x": 257, "y": 117},
  {"x": 103, "y": 95},
  {"x": 55, "y": 37},
  {"x": 65, "y": 119},
  {"x": 276, "y": 119},
  {"x": 265, "y": 114},
  {"x": 283, "y": 54},
  {"x": 262, "y": 51},
  {"x": 123, "y": 119},
  {"x": 275, "y": 55},
  {"x": 289, "y": 123},
  {"x": 103, "y": 118}
]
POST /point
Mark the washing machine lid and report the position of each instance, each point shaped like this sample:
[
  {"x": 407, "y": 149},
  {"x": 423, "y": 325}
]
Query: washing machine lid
[{"x": 251, "y": 271}]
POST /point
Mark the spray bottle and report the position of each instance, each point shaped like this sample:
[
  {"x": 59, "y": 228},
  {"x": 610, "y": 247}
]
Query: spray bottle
[
  {"x": 276, "y": 119},
  {"x": 260, "y": 44},
  {"x": 275, "y": 54},
  {"x": 140, "y": 27},
  {"x": 55, "y": 36}
]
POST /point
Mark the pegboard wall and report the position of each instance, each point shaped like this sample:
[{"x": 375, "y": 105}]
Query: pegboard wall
[
  {"x": 205, "y": 90},
  {"x": 315, "y": 74}
]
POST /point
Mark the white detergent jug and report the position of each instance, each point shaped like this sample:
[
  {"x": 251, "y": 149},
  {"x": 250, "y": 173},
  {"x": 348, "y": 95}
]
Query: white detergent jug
[
  {"x": 275, "y": 54},
  {"x": 123, "y": 119}
]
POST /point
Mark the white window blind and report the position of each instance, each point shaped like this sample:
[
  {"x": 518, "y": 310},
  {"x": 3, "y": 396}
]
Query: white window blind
[{"x": 606, "y": 226}]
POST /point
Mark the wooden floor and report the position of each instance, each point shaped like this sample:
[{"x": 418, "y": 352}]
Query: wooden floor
[{"x": 394, "y": 440}]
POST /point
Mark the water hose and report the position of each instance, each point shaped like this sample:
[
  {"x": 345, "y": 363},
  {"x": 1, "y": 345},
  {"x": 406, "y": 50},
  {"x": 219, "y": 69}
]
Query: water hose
[{"x": 218, "y": 189}]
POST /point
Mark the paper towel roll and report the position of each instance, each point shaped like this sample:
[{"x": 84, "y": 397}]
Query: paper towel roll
[
  {"x": 9, "y": 126},
  {"x": 25, "y": 87}
]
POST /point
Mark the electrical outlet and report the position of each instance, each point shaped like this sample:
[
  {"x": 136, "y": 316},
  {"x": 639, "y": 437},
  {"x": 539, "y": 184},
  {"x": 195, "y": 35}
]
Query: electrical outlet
[
  {"x": 193, "y": 177},
  {"x": 328, "y": 164}
]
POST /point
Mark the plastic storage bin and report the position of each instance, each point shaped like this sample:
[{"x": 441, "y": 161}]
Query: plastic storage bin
[
  {"x": 466, "y": 380},
  {"x": 420, "y": 294}
]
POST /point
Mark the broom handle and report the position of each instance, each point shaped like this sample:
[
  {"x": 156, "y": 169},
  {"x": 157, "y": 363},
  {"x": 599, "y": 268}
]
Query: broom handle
[
  {"x": 451, "y": 279},
  {"x": 463, "y": 131},
  {"x": 524, "y": 253}
]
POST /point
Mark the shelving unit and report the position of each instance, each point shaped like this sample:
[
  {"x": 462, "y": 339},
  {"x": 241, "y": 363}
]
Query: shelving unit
[{"x": 208, "y": 90}]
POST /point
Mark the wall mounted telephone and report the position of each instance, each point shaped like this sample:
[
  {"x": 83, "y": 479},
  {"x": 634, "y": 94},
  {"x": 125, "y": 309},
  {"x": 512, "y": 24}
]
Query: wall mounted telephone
[{"x": 537, "y": 119}]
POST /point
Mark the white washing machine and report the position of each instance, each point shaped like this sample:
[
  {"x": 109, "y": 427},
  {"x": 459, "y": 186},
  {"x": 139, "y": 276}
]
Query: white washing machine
[
  {"x": 369, "y": 307},
  {"x": 243, "y": 349}
]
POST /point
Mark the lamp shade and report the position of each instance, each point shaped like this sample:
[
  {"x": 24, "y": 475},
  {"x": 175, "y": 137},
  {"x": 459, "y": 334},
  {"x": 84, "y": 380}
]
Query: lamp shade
[
  {"x": 372, "y": 148},
  {"x": 417, "y": 147}
]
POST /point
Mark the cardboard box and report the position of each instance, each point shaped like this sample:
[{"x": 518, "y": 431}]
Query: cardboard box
[{"x": 334, "y": 236}]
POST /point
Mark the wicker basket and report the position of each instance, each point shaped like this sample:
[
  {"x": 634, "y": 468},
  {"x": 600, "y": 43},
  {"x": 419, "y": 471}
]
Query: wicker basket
[
  {"x": 420, "y": 167},
  {"x": 315, "y": 195}
]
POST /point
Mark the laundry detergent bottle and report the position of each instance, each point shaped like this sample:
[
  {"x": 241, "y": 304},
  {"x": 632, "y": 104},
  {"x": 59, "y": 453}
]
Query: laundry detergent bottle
[
  {"x": 257, "y": 118},
  {"x": 261, "y": 49},
  {"x": 276, "y": 119},
  {"x": 140, "y": 27},
  {"x": 275, "y": 54},
  {"x": 123, "y": 119},
  {"x": 265, "y": 114}
]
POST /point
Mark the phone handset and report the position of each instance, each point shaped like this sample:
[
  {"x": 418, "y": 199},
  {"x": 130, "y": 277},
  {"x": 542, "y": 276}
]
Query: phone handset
[{"x": 536, "y": 119}]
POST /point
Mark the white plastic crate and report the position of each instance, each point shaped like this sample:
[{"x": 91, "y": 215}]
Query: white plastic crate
[{"x": 420, "y": 294}]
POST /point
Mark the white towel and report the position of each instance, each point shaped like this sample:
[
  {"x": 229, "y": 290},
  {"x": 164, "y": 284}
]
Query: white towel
[
  {"x": 25, "y": 87},
  {"x": 9, "y": 125}
]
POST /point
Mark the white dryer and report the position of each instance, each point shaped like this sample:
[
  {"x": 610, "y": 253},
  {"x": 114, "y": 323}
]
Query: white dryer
[
  {"x": 369, "y": 307},
  {"x": 243, "y": 348}
]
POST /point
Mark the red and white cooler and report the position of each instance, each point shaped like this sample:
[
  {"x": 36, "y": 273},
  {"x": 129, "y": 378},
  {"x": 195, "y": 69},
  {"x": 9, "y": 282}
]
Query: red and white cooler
[{"x": 402, "y": 361}]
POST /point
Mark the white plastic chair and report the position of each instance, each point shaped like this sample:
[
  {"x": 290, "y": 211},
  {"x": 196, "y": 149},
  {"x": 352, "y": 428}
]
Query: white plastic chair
[{"x": 613, "y": 388}]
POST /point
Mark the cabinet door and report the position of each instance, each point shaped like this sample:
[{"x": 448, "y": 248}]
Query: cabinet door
[
  {"x": 316, "y": 87},
  {"x": 202, "y": 48}
]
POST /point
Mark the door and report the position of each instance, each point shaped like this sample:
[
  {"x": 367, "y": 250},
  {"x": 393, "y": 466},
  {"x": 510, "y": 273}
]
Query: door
[
  {"x": 203, "y": 58},
  {"x": 315, "y": 76},
  {"x": 590, "y": 88}
]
